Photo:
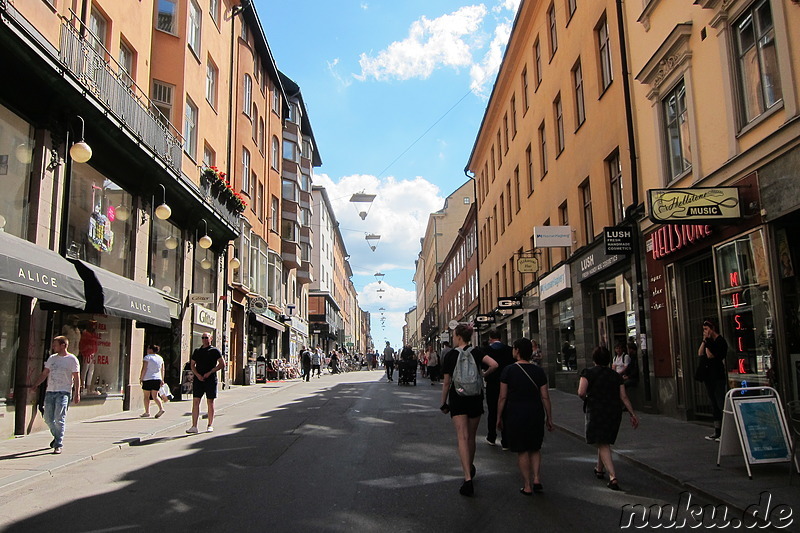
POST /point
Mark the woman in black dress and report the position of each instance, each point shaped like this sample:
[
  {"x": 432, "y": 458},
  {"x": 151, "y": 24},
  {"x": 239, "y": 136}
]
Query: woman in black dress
[
  {"x": 465, "y": 411},
  {"x": 522, "y": 412},
  {"x": 603, "y": 391}
]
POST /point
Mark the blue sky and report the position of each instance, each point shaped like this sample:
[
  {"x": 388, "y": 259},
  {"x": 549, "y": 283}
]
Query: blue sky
[{"x": 375, "y": 76}]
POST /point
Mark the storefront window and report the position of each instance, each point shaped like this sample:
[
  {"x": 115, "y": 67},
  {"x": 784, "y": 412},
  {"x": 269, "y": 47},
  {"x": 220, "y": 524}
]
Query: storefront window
[
  {"x": 562, "y": 334},
  {"x": 100, "y": 221},
  {"x": 746, "y": 318},
  {"x": 9, "y": 340},
  {"x": 166, "y": 252},
  {"x": 99, "y": 342},
  {"x": 16, "y": 153},
  {"x": 204, "y": 272}
]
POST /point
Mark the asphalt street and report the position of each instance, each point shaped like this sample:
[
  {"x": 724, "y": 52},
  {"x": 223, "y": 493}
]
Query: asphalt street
[{"x": 343, "y": 453}]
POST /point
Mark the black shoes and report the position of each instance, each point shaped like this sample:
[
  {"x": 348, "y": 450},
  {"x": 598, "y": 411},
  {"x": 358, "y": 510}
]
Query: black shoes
[{"x": 467, "y": 489}]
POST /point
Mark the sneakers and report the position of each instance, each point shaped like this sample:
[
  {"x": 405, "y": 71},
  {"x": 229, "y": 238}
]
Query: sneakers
[
  {"x": 57, "y": 450},
  {"x": 490, "y": 442},
  {"x": 713, "y": 437},
  {"x": 144, "y": 415},
  {"x": 160, "y": 413},
  {"x": 210, "y": 429},
  {"x": 192, "y": 430}
]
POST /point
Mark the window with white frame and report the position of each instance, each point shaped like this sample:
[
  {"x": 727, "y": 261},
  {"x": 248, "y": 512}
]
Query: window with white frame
[
  {"x": 758, "y": 74},
  {"x": 190, "y": 129},
  {"x": 212, "y": 73},
  {"x": 276, "y": 153},
  {"x": 195, "y": 25},
  {"x": 261, "y": 134},
  {"x": 254, "y": 120},
  {"x": 614, "y": 171},
  {"x": 604, "y": 47},
  {"x": 552, "y": 29},
  {"x": 558, "y": 111},
  {"x": 588, "y": 220},
  {"x": 537, "y": 62},
  {"x": 167, "y": 16},
  {"x": 213, "y": 10},
  {"x": 247, "y": 89},
  {"x": 543, "y": 149},
  {"x": 162, "y": 99},
  {"x": 274, "y": 214},
  {"x": 276, "y": 100},
  {"x": 126, "y": 56},
  {"x": 245, "y": 170},
  {"x": 676, "y": 131},
  {"x": 98, "y": 25},
  {"x": 525, "y": 103},
  {"x": 209, "y": 156},
  {"x": 577, "y": 81}
]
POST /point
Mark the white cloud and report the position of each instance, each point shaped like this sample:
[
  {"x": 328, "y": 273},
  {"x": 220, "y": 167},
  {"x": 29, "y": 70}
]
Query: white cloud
[
  {"x": 507, "y": 5},
  {"x": 431, "y": 44},
  {"x": 338, "y": 77},
  {"x": 391, "y": 298},
  {"x": 364, "y": 6},
  {"x": 482, "y": 74}
]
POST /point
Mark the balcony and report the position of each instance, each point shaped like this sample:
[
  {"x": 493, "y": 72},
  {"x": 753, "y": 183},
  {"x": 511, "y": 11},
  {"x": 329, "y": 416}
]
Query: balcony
[
  {"x": 305, "y": 272},
  {"x": 290, "y": 254}
]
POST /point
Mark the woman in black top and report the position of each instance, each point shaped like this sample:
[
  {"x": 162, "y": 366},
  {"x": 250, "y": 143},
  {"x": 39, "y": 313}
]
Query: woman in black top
[
  {"x": 603, "y": 390},
  {"x": 523, "y": 409},
  {"x": 465, "y": 411}
]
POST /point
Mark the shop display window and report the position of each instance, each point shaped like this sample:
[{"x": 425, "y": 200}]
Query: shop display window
[
  {"x": 100, "y": 344},
  {"x": 562, "y": 334},
  {"x": 205, "y": 272},
  {"x": 16, "y": 154},
  {"x": 101, "y": 218},
  {"x": 9, "y": 341},
  {"x": 166, "y": 257},
  {"x": 746, "y": 317}
]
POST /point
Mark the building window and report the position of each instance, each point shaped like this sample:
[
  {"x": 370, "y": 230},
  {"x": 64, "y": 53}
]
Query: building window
[
  {"x": 499, "y": 149},
  {"x": 254, "y": 121},
  {"x": 614, "y": 170},
  {"x": 563, "y": 215},
  {"x": 580, "y": 107},
  {"x": 505, "y": 130},
  {"x": 537, "y": 62},
  {"x": 276, "y": 153},
  {"x": 502, "y": 213},
  {"x": 572, "y": 5},
  {"x": 276, "y": 100},
  {"x": 676, "y": 126},
  {"x": 245, "y": 170},
  {"x": 508, "y": 200},
  {"x": 558, "y": 111},
  {"x": 261, "y": 134},
  {"x": 525, "y": 103},
  {"x": 209, "y": 156},
  {"x": 588, "y": 221},
  {"x": 253, "y": 182},
  {"x": 167, "y": 16},
  {"x": 516, "y": 188},
  {"x": 759, "y": 77},
  {"x": 245, "y": 32},
  {"x": 604, "y": 46},
  {"x": 260, "y": 202},
  {"x": 274, "y": 216},
  {"x": 529, "y": 167},
  {"x": 211, "y": 83},
  {"x": 493, "y": 163},
  {"x": 553, "y": 33},
  {"x": 513, "y": 116},
  {"x": 126, "y": 61},
  {"x": 98, "y": 25},
  {"x": 247, "y": 103},
  {"x": 162, "y": 99},
  {"x": 195, "y": 24},
  {"x": 213, "y": 10},
  {"x": 290, "y": 151},
  {"x": 190, "y": 129},
  {"x": 543, "y": 149},
  {"x": 466, "y": 200}
]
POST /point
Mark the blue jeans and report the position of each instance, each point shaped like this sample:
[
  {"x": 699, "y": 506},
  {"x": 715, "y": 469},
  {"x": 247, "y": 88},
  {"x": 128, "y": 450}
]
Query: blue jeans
[{"x": 55, "y": 414}]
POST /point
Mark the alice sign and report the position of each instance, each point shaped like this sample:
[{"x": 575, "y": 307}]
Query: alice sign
[{"x": 698, "y": 204}]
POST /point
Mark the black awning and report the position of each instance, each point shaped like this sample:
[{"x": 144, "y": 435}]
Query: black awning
[
  {"x": 267, "y": 321},
  {"x": 115, "y": 295},
  {"x": 38, "y": 272}
]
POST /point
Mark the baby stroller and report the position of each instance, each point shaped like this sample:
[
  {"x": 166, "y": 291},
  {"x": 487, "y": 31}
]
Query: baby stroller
[{"x": 408, "y": 373}]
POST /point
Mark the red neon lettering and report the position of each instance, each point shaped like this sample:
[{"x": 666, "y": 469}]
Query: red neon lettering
[
  {"x": 740, "y": 340},
  {"x": 733, "y": 277},
  {"x": 735, "y": 297},
  {"x": 737, "y": 319},
  {"x": 742, "y": 369}
]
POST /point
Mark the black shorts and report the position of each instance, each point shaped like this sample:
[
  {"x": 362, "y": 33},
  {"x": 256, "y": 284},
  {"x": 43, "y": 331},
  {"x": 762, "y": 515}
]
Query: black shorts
[
  {"x": 207, "y": 387},
  {"x": 472, "y": 406},
  {"x": 151, "y": 384}
]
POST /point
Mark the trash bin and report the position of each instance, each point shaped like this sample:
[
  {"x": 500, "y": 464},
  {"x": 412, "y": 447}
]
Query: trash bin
[{"x": 250, "y": 374}]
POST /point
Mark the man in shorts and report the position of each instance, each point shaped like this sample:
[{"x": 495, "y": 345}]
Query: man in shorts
[{"x": 206, "y": 360}]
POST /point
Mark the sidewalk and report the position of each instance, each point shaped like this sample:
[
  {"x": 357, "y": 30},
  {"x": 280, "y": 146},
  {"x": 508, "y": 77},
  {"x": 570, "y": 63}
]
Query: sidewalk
[
  {"x": 25, "y": 458},
  {"x": 676, "y": 450},
  {"x": 670, "y": 448}
]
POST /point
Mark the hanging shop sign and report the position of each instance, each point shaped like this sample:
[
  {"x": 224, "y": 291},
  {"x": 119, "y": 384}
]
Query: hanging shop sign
[
  {"x": 618, "y": 241},
  {"x": 527, "y": 265},
  {"x": 509, "y": 302},
  {"x": 201, "y": 298},
  {"x": 697, "y": 204},
  {"x": 555, "y": 282},
  {"x": 484, "y": 319},
  {"x": 552, "y": 236}
]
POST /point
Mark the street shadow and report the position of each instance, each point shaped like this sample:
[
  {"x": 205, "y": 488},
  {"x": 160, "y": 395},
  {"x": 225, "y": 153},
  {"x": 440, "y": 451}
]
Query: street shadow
[
  {"x": 355, "y": 456},
  {"x": 27, "y": 453}
]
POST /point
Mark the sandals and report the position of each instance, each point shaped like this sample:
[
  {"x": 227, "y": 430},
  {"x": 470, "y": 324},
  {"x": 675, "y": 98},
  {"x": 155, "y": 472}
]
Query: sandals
[
  {"x": 537, "y": 487},
  {"x": 599, "y": 474},
  {"x": 612, "y": 484},
  {"x": 525, "y": 492}
]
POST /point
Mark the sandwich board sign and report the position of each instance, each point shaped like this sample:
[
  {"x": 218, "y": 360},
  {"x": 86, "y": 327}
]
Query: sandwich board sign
[{"x": 754, "y": 425}]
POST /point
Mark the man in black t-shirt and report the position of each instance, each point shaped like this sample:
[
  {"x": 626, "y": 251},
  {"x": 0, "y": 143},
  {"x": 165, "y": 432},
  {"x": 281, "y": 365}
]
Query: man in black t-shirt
[
  {"x": 501, "y": 353},
  {"x": 712, "y": 352},
  {"x": 206, "y": 360}
]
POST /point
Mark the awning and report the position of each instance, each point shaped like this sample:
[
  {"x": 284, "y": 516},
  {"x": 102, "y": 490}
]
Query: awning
[
  {"x": 35, "y": 271},
  {"x": 115, "y": 295},
  {"x": 274, "y": 324}
]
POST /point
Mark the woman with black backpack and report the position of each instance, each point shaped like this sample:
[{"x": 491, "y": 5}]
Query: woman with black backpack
[{"x": 462, "y": 396}]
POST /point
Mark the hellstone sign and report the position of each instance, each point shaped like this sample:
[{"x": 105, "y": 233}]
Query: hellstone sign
[{"x": 697, "y": 204}]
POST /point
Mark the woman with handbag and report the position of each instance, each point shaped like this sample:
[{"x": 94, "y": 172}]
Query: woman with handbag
[
  {"x": 152, "y": 378},
  {"x": 523, "y": 410}
]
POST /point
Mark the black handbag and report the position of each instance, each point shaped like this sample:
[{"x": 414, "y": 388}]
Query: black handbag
[{"x": 701, "y": 373}]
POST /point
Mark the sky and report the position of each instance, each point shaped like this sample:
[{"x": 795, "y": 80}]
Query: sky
[{"x": 395, "y": 93}]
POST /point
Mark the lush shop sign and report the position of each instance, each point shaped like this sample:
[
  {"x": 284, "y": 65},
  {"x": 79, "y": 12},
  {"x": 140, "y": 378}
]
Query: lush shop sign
[{"x": 698, "y": 204}]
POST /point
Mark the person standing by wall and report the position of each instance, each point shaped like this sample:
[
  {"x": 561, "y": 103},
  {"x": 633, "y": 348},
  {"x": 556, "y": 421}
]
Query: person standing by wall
[
  {"x": 62, "y": 372},
  {"x": 388, "y": 361},
  {"x": 501, "y": 353},
  {"x": 206, "y": 360},
  {"x": 152, "y": 378},
  {"x": 713, "y": 372},
  {"x": 305, "y": 362}
]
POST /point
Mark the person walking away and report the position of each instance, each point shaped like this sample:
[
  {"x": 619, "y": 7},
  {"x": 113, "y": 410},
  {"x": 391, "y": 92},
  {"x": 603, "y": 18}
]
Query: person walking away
[
  {"x": 152, "y": 378},
  {"x": 465, "y": 409},
  {"x": 206, "y": 361},
  {"x": 316, "y": 362},
  {"x": 523, "y": 410},
  {"x": 501, "y": 353},
  {"x": 604, "y": 394},
  {"x": 62, "y": 372},
  {"x": 433, "y": 365},
  {"x": 712, "y": 371},
  {"x": 305, "y": 362},
  {"x": 388, "y": 361}
]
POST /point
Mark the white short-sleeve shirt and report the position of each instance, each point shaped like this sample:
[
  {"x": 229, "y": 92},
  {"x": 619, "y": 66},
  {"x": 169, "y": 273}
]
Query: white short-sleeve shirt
[
  {"x": 61, "y": 369},
  {"x": 154, "y": 364}
]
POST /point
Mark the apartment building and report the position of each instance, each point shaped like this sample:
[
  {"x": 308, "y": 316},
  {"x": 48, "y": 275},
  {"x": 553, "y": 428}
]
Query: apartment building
[
  {"x": 716, "y": 102},
  {"x": 553, "y": 167}
]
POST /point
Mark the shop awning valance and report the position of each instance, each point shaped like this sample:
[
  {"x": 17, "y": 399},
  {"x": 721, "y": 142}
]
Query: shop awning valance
[
  {"x": 274, "y": 324},
  {"x": 115, "y": 295},
  {"x": 35, "y": 271}
]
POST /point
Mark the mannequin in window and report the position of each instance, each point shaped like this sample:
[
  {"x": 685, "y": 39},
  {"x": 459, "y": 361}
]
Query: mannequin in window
[
  {"x": 71, "y": 331},
  {"x": 88, "y": 351}
]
